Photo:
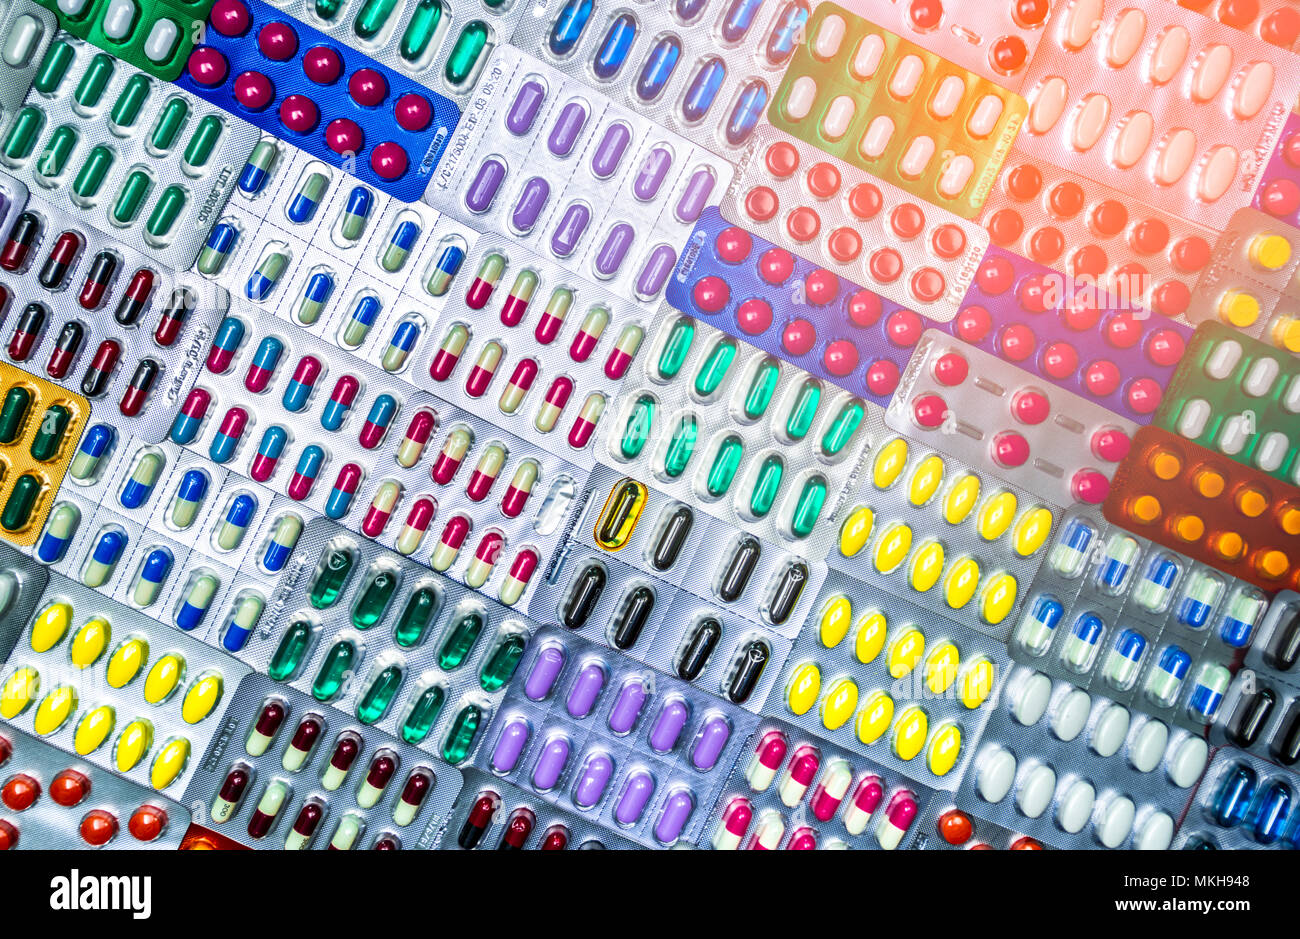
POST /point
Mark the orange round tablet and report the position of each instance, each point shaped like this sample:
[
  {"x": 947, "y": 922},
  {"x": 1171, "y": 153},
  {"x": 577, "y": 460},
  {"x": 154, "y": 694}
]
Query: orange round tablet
[
  {"x": 1209, "y": 483},
  {"x": 1189, "y": 527},
  {"x": 1288, "y": 518},
  {"x": 1145, "y": 509},
  {"x": 1165, "y": 465},
  {"x": 1272, "y": 564},
  {"x": 1229, "y": 545},
  {"x": 1251, "y": 503}
]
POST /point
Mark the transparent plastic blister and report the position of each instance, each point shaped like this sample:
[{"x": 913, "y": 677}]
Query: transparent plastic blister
[
  {"x": 112, "y": 685},
  {"x": 1243, "y": 803},
  {"x": 291, "y": 773},
  {"x": 1276, "y": 649},
  {"x": 28, "y": 29},
  {"x": 1262, "y": 717},
  {"x": 155, "y": 176},
  {"x": 600, "y": 190},
  {"x": 594, "y": 733},
  {"x": 880, "y": 676},
  {"x": 1077, "y": 771}
]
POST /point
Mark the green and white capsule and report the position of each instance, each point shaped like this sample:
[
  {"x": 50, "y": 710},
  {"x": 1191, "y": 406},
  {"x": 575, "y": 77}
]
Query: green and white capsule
[
  {"x": 59, "y": 532},
  {"x": 245, "y": 613}
]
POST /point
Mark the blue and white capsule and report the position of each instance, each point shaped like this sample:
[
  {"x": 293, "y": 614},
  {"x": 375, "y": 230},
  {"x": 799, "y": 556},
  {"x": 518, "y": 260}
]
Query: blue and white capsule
[
  {"x": 1154, "y": 590},
  {"x": 257, "y": 169},
  {"x": 244, "y": 614},
  {"x": 315, "y": 294},
  {"x": 404, "y": 338},
  {"x": 151, "y": 576},
  {"x": 216, "y": 251},
  {"x": 266, "y": 276},
  {"x": 239, "y": 515},
  {"x": 1071, "y": 552},
  {"x": 1124, "y": 660},
  {"x": 1202, "y": 593},
  {"x": 144, "y": 476},
  {"x": 1117, "y": 563},
  {"x": 96, "y": 442},
  {"x": 445, "y": 267},
  {"x": 1085, "y": 637},
  {"x": 1235, "y": 792},
  {"x": 363, "y": 316},
  {"x": 279, "y": 547},
  {"x": 1039, "y": 625},
  {"x": 1207, "y": 692},
  {"x": 307, "y": 198},
  {"x": 196, "y": 601},
  {"x": 104, "y": 556},
  {"x": 1239, "y": 620},
  {"x": 1167, "y": 677},
  {"x": 59, "y": 532},
  {"x": 190, "y": 495}
]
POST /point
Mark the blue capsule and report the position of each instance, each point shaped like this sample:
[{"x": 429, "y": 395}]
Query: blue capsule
[
  {"x": 315, "y": 294},
  {"x": 612, "y": 54},
  {"x": 362, "y": 318},
  {"x": 94, "y": 444},
  {"x": 1166, "y": 679},
  {"x": 198, "y": 597},
  {"x": 658, "y": 68},
  {"x": 239, "y": 514},
  {"x": 1125, "y": 658},
  {"x": 1082, "y": 644},
  {"x": 568, "y": 26},
  {"x": 1154, "y": 589},
  {"x": 279, "y": 547},
  {"x": 191, "y": 492},
  {"x": 139, "y": 485},
  {"x": 748, "y": 110},
  {"x": 1071, "y": 551},
  {"x": 274, "y": 439},
  {"x": 306, "y": 200},
  {"x": 405, "y": 336},
  {"x": 1207, "y": 694},
  {"x": 1272, "y": 814},
  {"x": 229, "y": 337},
  {"x": 356, "y": 212},
  {"x": 1234, "y": 795},
  {"x": 703, "y": 89},
  {"x": 221, "y": 241},
  {"x": 59, "y": 532},
  {"x": 787, "y": 32},
  {"x": 400, "y": 242},
  {"x": 738, "y": 19},
  {"x": 297, "y": 394},
  {"x": 1121, "y": 552},
  {"x": 153, "y": 573},
  {"x": 445, "y": 270},
  {"x": 377, "y": 422},
  {"x": 104, "y": 557},
  {"x": 687, "y": 10}
]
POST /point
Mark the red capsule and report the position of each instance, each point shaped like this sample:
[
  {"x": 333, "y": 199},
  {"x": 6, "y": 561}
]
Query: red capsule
[
  {"x": 346, "y": 750},
  {"x": 173, "y": 317},
  {"x": 454, "y": 532},
  {"x": 27, "y": 329},
  {"x": 309, "y": 816},
  {"x": 22, "y": 235},
  {"x": 387, "y": 842},
  {"x": 100, "y": 275},
  {"x": 66, "y": 346},
  {"x": 381, "y": 770},
  {"x": 60, "y": 260},
  {"x": 100, "y": 370},
  {"x": 518, "y": 829},
  {"x": 196, "y": 404},
  {"x": 135, "y": 298},
  {"x": 232, "y": 789},
  {"x": 269, "y": 720},
  {"x": 138, "y": 391},
  {"x": 479, "y": 819},
  {"x": 556, "y": 838}
]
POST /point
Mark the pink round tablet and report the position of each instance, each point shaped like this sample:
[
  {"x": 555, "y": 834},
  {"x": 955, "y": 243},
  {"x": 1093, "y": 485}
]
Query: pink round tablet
[
  {"x": 754, "y": 316},
  {"x": 1030, "y": 407},
  {"x": 882, "y": 377},
  {"x": 277, "y": 41},
  {"x": 864, "y": 309},
  {"x": 1081, "y": 313},
  {"x": 974, "y": 324},
  {"x": 950, "y": 369},
  {"x": 1090, "y": 487},
  {"x": 885, "y": 265},
  {"x": 1101, "y": 378},
  {"x": 928, "y": 411},
  {"x": 367, "y": 87},
  {"x": 1165, "y": 347},
  {"x": 1037, "y": 294},
  {"x": 840, "y": 358},
  {"x": 254, "y": 90},
  {"x": 799, "y": 337},
  {"x": 733, "y": 245},
  {"x": 1171, "y": 298},
  {"x": 1280, "y": 197},
  {"x": 904, "y": 328},
  {"x": 820, "y": 287},
  {"x": 1010, "y": 449},
  {"x": 1017, "y": 342},
  {"x": 322, "y": 65},
  {"x": 1122, "y": 331},
  {"x": 1143, "y": 395},
  {"x": 413, "y": 112},
  {"x": 1060, "y": 360},
  {"x": 343, "y": 135},
  {"x": 299, "y": 113},
  {"x": 710, "y": 294},
  {"x": 1110, "y": 444},
  {"x": 207, "y": 66},
  {"x": 229, "y": 17},
  {"x": 995, "y": 276},
  {"x": 775, "y": 266},
  {"x": 388, "y": 160},
  {"x": 928, "y": 285}
]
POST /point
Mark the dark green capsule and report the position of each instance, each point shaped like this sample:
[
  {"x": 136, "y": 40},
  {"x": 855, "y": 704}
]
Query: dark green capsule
[
  {"x": 725, "y": 463},
  {"x": 677, "y": 347},
  {"x": 417, "y": 616},
  {"x": 23, "y": 134},
  {"x": 49, "y": 436},
  {"x": 804, "y": 410},
  {"x": 131, "y": 197},
  {"x": 640, "y": 421},
  {"x": 373, "y": 599},
  {"x": 767, "y": 483},
  {"x": 500, "y": 666},
  {"x": 203, "y": 142},
  {"x": 334, "y": 670},
  {"x": 169, "y": 124},
  {"x": 93, "y": 172},
  {"x": 464, "y": 54},
  {"x": 54, "y": 66},
  {"x": 420, "y": 30},
  {"x": 423, "y": 714},
  {"x": 761, "y": 389},
  {"x": 18, "y": 507},
  {"x": 291, "y": 651},
  {"x": 808, "y": 508},
  {"x": 131, "y": 101},
  {"x": 13, "y": 414},
  {"x": 331, "y": 577},
  {"x": 372, "y": 17},
  {"x": 681, "y": 447},
  {"x": 57, "y": 150},
  {"x": 460, "y": 736},
  {"x": 460, "y": 639},
  {"x": 93, "y": 81},
  {"x": 328, "y": 9},
  {"x": 842, "y": 429},
  {"x": 713, "y": 370},
  {"x": 379, "y": 695},
  {"x": 166, "y": 211}
]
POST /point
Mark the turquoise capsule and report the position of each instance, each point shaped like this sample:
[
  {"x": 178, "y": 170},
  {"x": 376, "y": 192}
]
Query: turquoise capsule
[
  {"x": 377, "y": 422},
  {"x": 274, "y": 439},
  {"x": 339, "y": 662},
  {"x": 191, "y": 492},
  {"x": 104, "y": 557},
  {"x": 363, "y": 316},
  {"x": 297, "y": 394},
  {"x": 144, "y": 476},
  {"x": 97, "y": 441},
  {"x": 379, "y": 694},
  {"x": 400, "y": 242},
  {"x": 196, "y": 600},
  {"x": 229, "y": 337},
  {"x": 356, "y": 213},
  {"x": 151, "y": 576},
  {"x": 677, "y": 347},
  {"x": 59, "y": 532},
  {"x": 306, "y": 471},
  {"x": 239, "y": 514}
]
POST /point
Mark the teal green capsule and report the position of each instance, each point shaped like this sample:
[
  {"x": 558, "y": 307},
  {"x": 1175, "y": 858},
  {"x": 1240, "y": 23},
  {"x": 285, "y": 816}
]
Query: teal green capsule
[
  {"x": 808, "y": 508},
  {"x": 420, "y": 31},
  {"x": 423, "y": 714},
  {"x": 465, "y": 53},
  {"x": 13, "y": 414},
  {"x": 169, "y": 124},
  {"x": 55, "y": 155},
  {"x": 94, "y": 170},
  {"x": 131, "y": 197},
  {"x": 203, "y": 142},
  {"x": 379, "y": 694},
  {"x": 761, "y": 389},
  {"x": 767, "y": 483},
  {"x": 165, "y": 212},
  {"x": 49, "y": 437},
  {"x": 461, "y": 636},
  {"x": 330, "y": 578},
  {"x": 23, "y": 134},
  {"x": 804, "y": 410},
  {"x": 54, "y": 67},
  {"x": 461, "y": 734},
  {"x": 417, "y": 616},
  {"x": 131, "y": 100},
  {"x": 640, "y": 421},
  {"x": 93, "y": 81},
  {"x": 713, "y": 370},
  {"x": 373, "y": 599},
  {"x": 681, "y": 447},
  {"x": 725, "y": 463},
  {"x": 677, "y": 347},
  {"x": 291, "y": 651},
  {"x": 842, "y": 429},
  {"x": 499, "y": 667},
  {"x": 339, "y": 662}
]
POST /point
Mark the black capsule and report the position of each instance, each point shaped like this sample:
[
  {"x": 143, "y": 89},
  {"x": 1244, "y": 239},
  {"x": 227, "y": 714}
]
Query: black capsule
[
  {"x": 672, "y": 536},
  {"x": 740, "y": 567},
  {"x": 631, "y": 619},
  {"x": 60, "y": 260},
  {"x": 700, "y": 644},
  {"x": 1285, "y": 746},
  {"x": 1251, "y": 716},
  {"x": 584, "y": 595},
  {"x": 786, "y": 593},
  {"x": 747, "y": 670},
  {"x": 1284, "y": 645}
]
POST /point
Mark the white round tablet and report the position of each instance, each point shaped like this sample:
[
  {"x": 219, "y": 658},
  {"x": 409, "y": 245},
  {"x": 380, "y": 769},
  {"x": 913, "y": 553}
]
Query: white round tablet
[
  {"x": 1186, "y": 760},
  {"x": 1114, "y": 821},
  {"x": 997, "y": 771},
  {"x": 1156, "y": 833},
  {"x": 1110, "y": 730},
  {"x": 1075, "y": 807},
  {"x": 1071, "y": 714},
  {"x": 1034, "y": 793},
  {"x": 1148, "y": 745},
  {"x": 1031, "y": 699}
]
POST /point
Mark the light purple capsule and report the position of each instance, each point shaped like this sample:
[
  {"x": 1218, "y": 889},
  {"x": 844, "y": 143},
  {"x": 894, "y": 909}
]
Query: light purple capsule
[
  {"x": 591, "y": 784},
  {"x": 655, "y": 272},
  {"x": 546, "y": 669},
  {"x": 585, "y": 691},
  {"x": 627, "y": 708},
  {"x": 668, "y": 725},
  {"x": 654, "y": 168},
  {"x": 676, "y": 812},
  {"x": 523, "y": 111},
  {"x": 610, "y": 257},
  {"x": 483, "y": 189},
  {"x": 550, "y": 765},
  {"x": 710, "y": 742},
  {"x": 511, "y": 743},
  {"x": 573, "y": 225},
  {"x": 609, "y": 154},
  {"x": 695, "y": 196},
  {"x": 638, "y": 789},
  {"x": 568, "y": 126},
  {"x": 532, "y": 199}
]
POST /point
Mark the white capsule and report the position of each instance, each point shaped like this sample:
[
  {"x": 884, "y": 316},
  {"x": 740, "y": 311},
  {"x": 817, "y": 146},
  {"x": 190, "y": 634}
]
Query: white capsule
[
  {"x": 866, "y": 58},
  {"x": 800, "y": 100},
  {"x": 907, "y": 75},
  {"x": 24, "y": 36},
  {"x": 829, "y": 37},
  {"x": 835, "y": 123},
  {"x": 119, "y": 18},
  {"x": 1291, "y": 399},
  {"x": 955, "y": 175},
  {"x": 1223, "y": 359},
  {"x": 985, "y": 117},
  {"x": 946, "y": 98},
  {"x": 917, "y": 157},
  {"x": 879, "y": 132},
  {"x": 1233, "y": 435}
]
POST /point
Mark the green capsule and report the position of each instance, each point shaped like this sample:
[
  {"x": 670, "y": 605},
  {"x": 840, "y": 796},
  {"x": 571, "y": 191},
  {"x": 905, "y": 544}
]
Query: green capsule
[
  {"x": 166, "y": 211},
  {"x": 13, "y": 414},
  {"x": 464, "y": 54},
  {"x": 328, "y": 9},
  {"x": 93, "y": 172},
  {"x": 460, "y": 736},
  {"x": 676, "y": 348},
  {"x": 767, "y": 483},
  {"x": 131, "y": 197},
  {"x": 420, "y": 611},
  {"x": 54, "y": 67},
  {"x": 761, "y": 389},
  {"x": 49, "y": 438},
  {"x": 808, "y": 508},
  {"x": 131, "y": 101},
  {"x": 379, "y": 694},
  {"x": 23, "y": 134},
  {"x": 640, "y": 421},
  {"x": 420, "y": 30},
  {"x": 334, "y": 670},
  {"x": 725, "y": 464},
  {"x": 331, "y": 577},
  {"x": 461, "y": 636},
  {"x": 18, "y": 508},
  {"x": 203, "y": 142},
  {"x": 373, "y": 599},
  {"x": 681, "y": 447},
  {"x": 423, "y": 714},
  {"x": 168, "y": 126},
  {"x": 843, "y": 428},
  {"x": 372, "y": 17},
  {"x": 93, "y": 81},
  {"x": 804, "y": 410},
  {"x": 291, "y": 651},
  {"x": 713, "y": 370},
  {"x": 500, "y": 666},
  {"x": 60, "y": 146}
]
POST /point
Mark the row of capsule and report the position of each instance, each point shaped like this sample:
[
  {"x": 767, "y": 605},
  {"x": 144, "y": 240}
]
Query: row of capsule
[
  {"x": 1263, "y": 806},
  {"x": 520, "y": 824}
]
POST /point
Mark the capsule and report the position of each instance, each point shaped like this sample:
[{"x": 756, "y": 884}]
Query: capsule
[
  {"x": 620, "y": 514},
  {"x": 280, "y": 545},
  {"x": 298, "y": 392},
  {"x": 196, "y": 601},
  {"x": 292, "y": 649},
  {"x": 485, "y": 558},
  {"x": 95, "y": 443},
  {"x": 27, "y": 329},
  {"x": 584, "y": 595},
  {"x": 239, "y": 514},
  {"x": 453, "y": 536},
  {"x": 263, "y": 365},
  {"x": 584, "y": 425},
  {"x": 340, "y": 402},
  {"x": 589, "y": 333},
  {"x": 58, "y": 534},
  {"x": 226, "y": 342},
  {"x": 485, "y": 472},
  {"x": 1117, "y": 562},
  {"x": 269, "y": 450},
  {"x": 356, "y": 212},
  {"x": 632, "y": 617},
  {"x": 553, "y": 316},
  {"x": 416, "y": 525},
  {"x": 403, "y": 340},
  {"x": 226, "y": 440},
  {"x": 344, "y": 490},
  {"x": 485, "y": 281},
  {"x": 449, "y": 352},
  {"x": 316, "y": 293},
  {"x": 307, "y": 198},
  {"x": 22, "y": 235},
  {"x": 520, "y": 488},
  {"x": 139, "y": 387},
  {"x": 104, "y": 557},
  {"x": 190, "y": 495},
  {"x": 135, "y": 298},
  {"x": 231, "y": 793},
  {"x": 265, "y": 277},
  {"x": 624, "y": 351},
  {"x": 1207, "y": 693},
  {"x": 363, "y": 316},
  {"x": 418, "y": 431},
  {"x": 66, "y": 346},
  {"x": 257, "y": 168},
  {"x": 451, "y": 456},
  {"x": 698, "y": 646},
  {"x": 335, "y": 669},
  {"x": 246, "y": 612},
  {"x": 1244, "y": 610},
  {"x": 557, "y": 396},
  {"x": 189, "y": 419},
  {"x": 381, "y": 508},
  {"x": 484, "y": 370},
  {"x": 305, "y": 472},
  {"x": 144, "y": 476},
  {"x": 378, "y": 420}
]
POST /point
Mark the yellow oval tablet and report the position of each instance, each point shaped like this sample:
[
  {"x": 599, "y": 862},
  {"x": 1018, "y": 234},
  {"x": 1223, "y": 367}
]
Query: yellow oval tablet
[
  {"x": 1031, "y": 531},
  {"x": 126, "y": 662},
  {"x": 999, "y": 597},
  {"x": 910, "y": 733},
  {"x": 837, "y": 616},
  {"x": 170, "y": 762},
  {"x": 94, "y": 729},
  {"x": 926, "y": 480},
  {"x": 927, "y": 565},
  {"x": 55, "y": 709},
  {"x": 90, "y": 642},
  {"x": 50, "y": 626},
  {"x": 133, "y": 744},
  {"x": 906, "y": 651},
  {"x": 856, "y": 530},
  {"x": 804, "y": 689},
  {"x": 841, "y": 701},
  {"x": 875, "y": 717},
  {"x": 941, "y": 667},
  {"x": 996, "y": 515},
  {"x": 202, "y": 697},
  {"x": 944, "y": 749},
  {"x": 961, "y": 498},
  {"x": 870, "y": 637},
  {"x": 977, "y": 683},
  {"x": 895, "y": 541},
  {"x": 19, "y": 690},
  {"x": 960, "y": 583},
  {"x": 890, "y": 461},
  {"x": 163, "y": 678}
]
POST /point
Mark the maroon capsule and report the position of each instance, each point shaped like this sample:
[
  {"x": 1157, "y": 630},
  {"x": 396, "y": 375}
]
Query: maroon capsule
[
  {"x": 22, "y": 235},
  {"x": 308, "y": 819},
  {"x": 556, "y": 838},
  {"x": 346, "y": 749},
  {"x": 387, "y": 842},
  {"x": 100, "y": 275},
  {"x": 100, "y": 370},
  {"x": 232, "y": 790},
  {"x": 304, "y": 738},
  {"x": 60, "y": 260},
  {"x": 260, "y": 824},
  {"x": 417, "y": 788},
  {"x": 173, "y": 318},
  {"x": 135, "y": 298},
  {"x": 517, "y": 830},
  {"x": 26, "y": 331},
  {"x": 479, "y": 819},
  {"x": 65, "y": 350},
  {"x": 138, "y": 391},
  {"x": 381, "y": 770}
]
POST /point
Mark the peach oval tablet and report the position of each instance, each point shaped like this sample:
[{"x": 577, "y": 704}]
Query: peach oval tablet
[
  {"x": 1080, "y": 23},
  {"x": 829, "y": 37},
  {"x": 1090, "y": 120},
  {"x": 1132, "y": 138},
  {"x": 866, "y": 59},
  {"x": 1168, "y": 55},
  {"x": 1251, "y": 89},
  {"x": 955, "y": 176},
  {"x": 1048, "y": 104},
  {"x": 1126, "y": 36},
  {"x": 907, "y": 75},
  {"x": 946, "y": 97},
  {"x": 1218, "y": 170},
  {"x": 800, "y": 100},
  {"x": 1213, "y": 66},
  {"x": 985, "y": 117},
  {"x": 1175, "y": 155},
  {"x": 877, "y": 137},
  {"x": 917, "y": 157},
  {"x": 835, "y": 123}
]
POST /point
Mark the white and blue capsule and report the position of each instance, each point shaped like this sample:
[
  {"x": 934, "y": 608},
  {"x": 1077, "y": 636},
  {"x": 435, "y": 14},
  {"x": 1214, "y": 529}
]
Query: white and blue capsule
[
  {"x": 242, "y": 620},
  {"x": 404, "y": 338},
  {"x": 239, "y": 514},
  {"x": 1124, "y": 660},
  {"x": 1239, "y": 619},
  {"x": 1202, "y": 592},
  {"x": 401, "y": 240},
  {"x": 1207, "y": 692},
  {"x": 307, "y": 198},
  {"x": 1154, "y": 590},
  {"x": 1071, "y": 552},
  {"x": 1039, "y": 625},
  {"x": 190, "y": 494},
  {"x": 96, "y": 442},
  {"x": 284, "y": 537},
  {"x": 1085, "y": 637},
  {"x": 196, "y": 600},
  {"x": 144, "y": 476},
  {"x": 1117, "y": 563},
  {"x": 355, "y": 215},
  {"x": 1167, "y": 677},
  {"x": 59, "y": 532},
  {"x": 315, "y": 294}
]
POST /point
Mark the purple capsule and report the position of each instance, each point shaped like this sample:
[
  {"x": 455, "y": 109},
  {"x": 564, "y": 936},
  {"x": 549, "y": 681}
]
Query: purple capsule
[
  {"x": 483, "y": 189},
  {"x": 546, "y": 669},
  {"x": 710, "y": 742},
  {"x": 519, "y": 119},
  {"x": 511, "y": 743},
  {"x": 608, "y": 155},
  {"x": 638, "y": 789},
  {"x": 585, "y": 691},
  {"x": 676, "y": 813},
  {"x": 610, "y": 257},
  {"x": 668, "y": 725},
  {"x": 591, "y": 784},
  {"x": 652, "y": 172},
  {"x": 627, "y": 708},
  {"x": 550, "y": 765},
  {"x": 695, "y": 196},
  {"x": 532, "y": 199},
  {"x": 573, "y": 225},
  {"x": 655, "y": 272},
  {"x": 567, "y": 128}
]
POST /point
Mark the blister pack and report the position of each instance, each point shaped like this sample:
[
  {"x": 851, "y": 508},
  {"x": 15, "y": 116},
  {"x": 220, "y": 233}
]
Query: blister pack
[
  {"x": 141, "y": 160},
  {"x": 808, "y": 797},
  {"x": 945, "y": 826},
  {"x": 1077, "y": 771},
  {"x": 152, "y": 35},
  {"x": 405, "y": 650},
  {"x": 288, "y": 772},
  {"x": 1278, "y": 192},
  {"x": 493, "y": 815},
  {"x": 1261, "y": 717},
  {"x": 705, "y": 69},
  {"x": 1048, "y": 441},
  {"x": 955, "y": 541},
  {"x": 1274, "y": 21},
  {"x": 52, "y": 801},
  {"x": 594, "y": 733},
  {"x": 110, "y": 684},
  {"x": 28, "y": 30},
  {"x": 1188, "y": 72},
  {"x": 1276, "y": 648},
  {"x": 1236, "y": 396},
  {"x": 859, "y": 226},
  {"x": 1072, "y": 335},
  {"x": 21, "y": 585},
  {"x": 888, "y": 106},
  {"x": 1243, "y": 803},
  {"x": 135, "y": 365},
  {"x": 1097, "y": 235},
  {"x": 599, "y": 189},
  {"x": 288, "y": 78},
  {"x": 1144, "y": 625},
  {"x": 1227, "y": 515}
]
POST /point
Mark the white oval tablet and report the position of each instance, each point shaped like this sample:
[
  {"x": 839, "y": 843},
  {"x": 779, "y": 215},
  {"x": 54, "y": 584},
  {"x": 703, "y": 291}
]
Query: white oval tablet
[
  {"x": 1075, "y": 807},
  {"x": 876, "y": 139},
  {"x": 1148, "y": 746},
  {"x": 1132, "y": 138},
  {"x": 1110, "y": 730},
  {"x": 800, "y": 100},
  {"x": 1156, "y": 833},
  {"x": 1272, "y": 450},
  {"x": 985, "y": 117},
  {"x": 1217, "y": 172},
  {"x": 829, "y": 37},
  {"x": 1034, "y": 794},
  {"x": 1032, "y": 698},
  {"x": 1091, "y": 118},
  {"x": 1114, "y": 821},
  {"x": 1080, "y": 23},
  {"x": 996, "y": 772},
  {"x": 1174, "y": 155},
  {"x": 1260, "y": 376},
  {"x": 1232, "y": 435},
  {"x": 118, "y": 19},
  {"x": 836, "y": 120},
  {"x": 1071, "y": 714},
  {"x": 1168, "y": 54},
  {"x": 955, "y": 176},
  {"x": 1126, "y": 34},
  {"x": 1047, "y": 104},
  {"x": 1213, "y": 66},
  {"x": 1252, "y": 89},
  {"x": 1186, "y": 761},
  {"x": 907, "y": 75},
  {"x": 866, "y": 58},
  {"x": 917, "y": 156},
  {"x": 1196, "y": 412},
  {"x": 946, "y": 98},
  {"x": 1223, "y": 359},
  {"x": 1291, "y": 399}
]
